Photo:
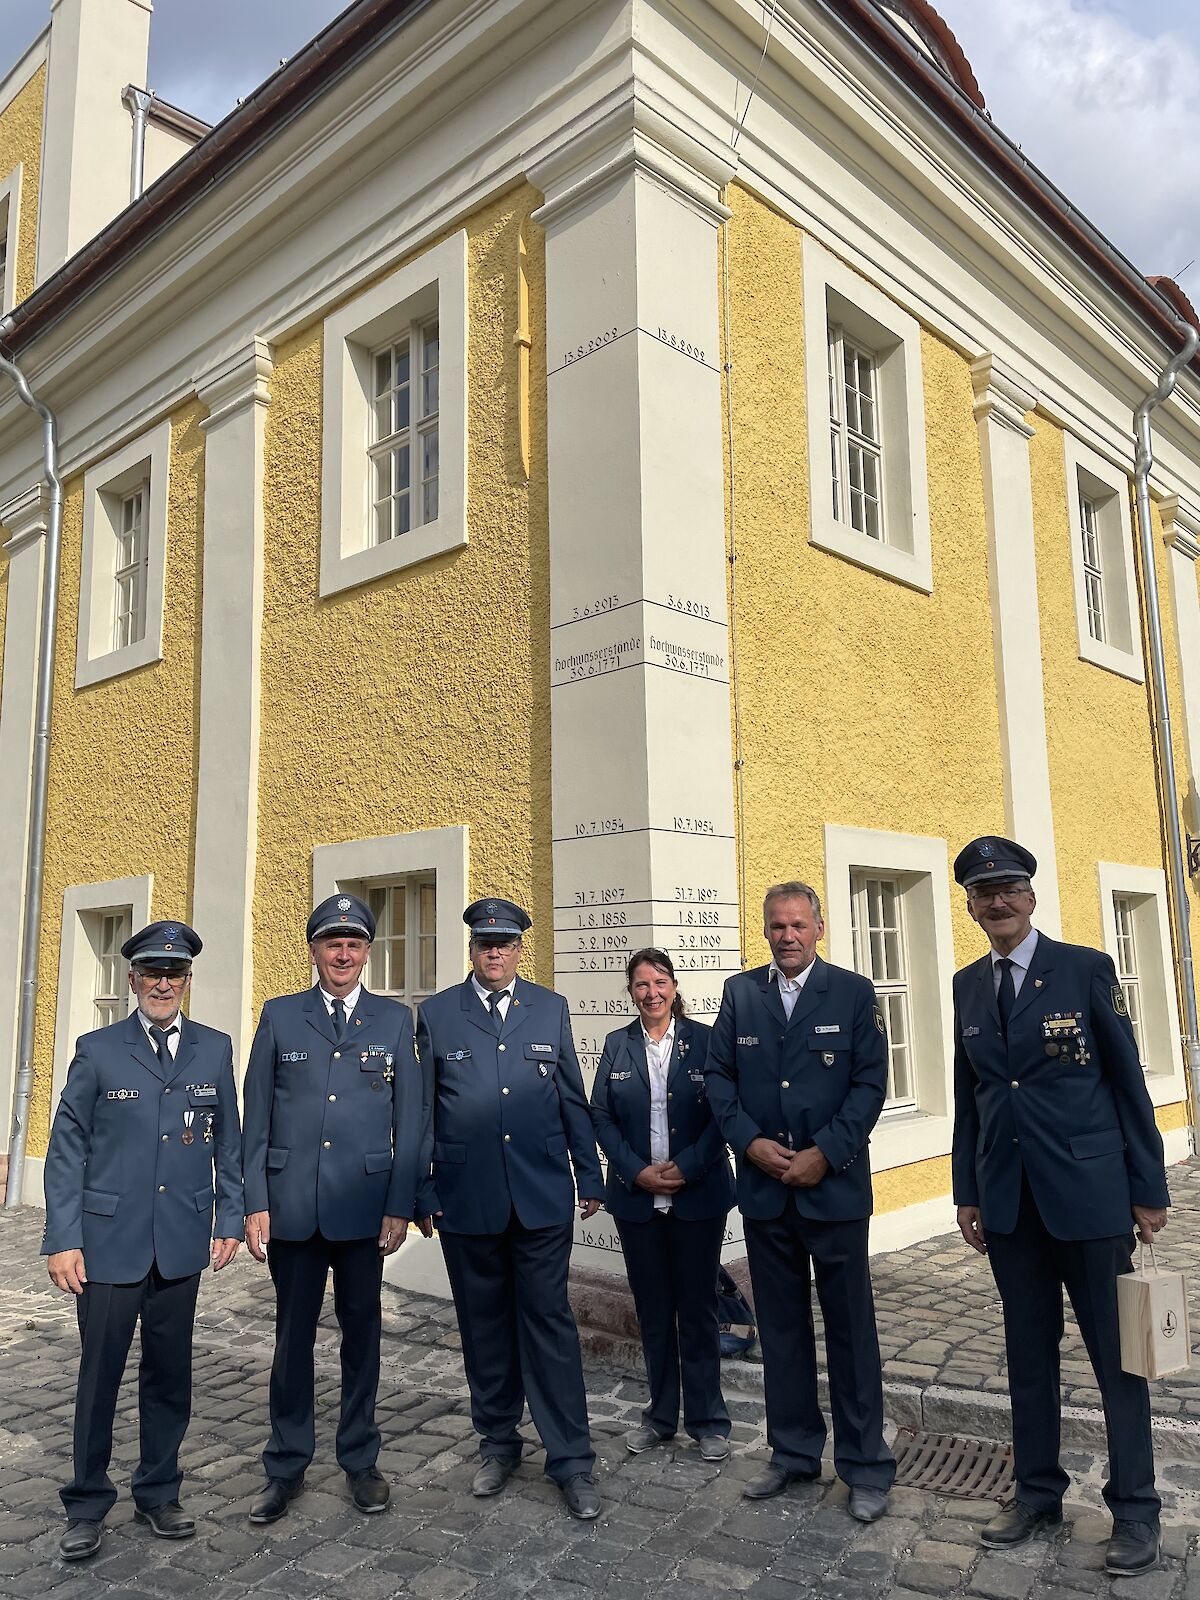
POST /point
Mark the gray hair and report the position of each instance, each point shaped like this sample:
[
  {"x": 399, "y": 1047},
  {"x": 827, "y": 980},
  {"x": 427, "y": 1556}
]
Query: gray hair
[{"x": 792, "y": 891}]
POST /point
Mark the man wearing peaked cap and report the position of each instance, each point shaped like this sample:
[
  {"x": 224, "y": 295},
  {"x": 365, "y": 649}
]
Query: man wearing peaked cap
[
  {"x": 332, "y": 1141},
  {"x": 509, "y": 1120},
  {"x": 148, "y": 1115},
  {"x": 1056, "y": 1161}
]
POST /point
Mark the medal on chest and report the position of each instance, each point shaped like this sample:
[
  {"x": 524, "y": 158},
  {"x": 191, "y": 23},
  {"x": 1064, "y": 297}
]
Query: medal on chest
[{"x": 188, "y": 1118}]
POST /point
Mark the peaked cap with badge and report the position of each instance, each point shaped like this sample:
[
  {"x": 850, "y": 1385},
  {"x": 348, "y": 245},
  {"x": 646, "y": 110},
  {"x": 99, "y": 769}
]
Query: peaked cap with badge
[
  {"x": 993, "y": 859},
  {"x": 344, "y": 916},
  {"x": 496, "y": 919},
  {"x": 163, "y": 947}
]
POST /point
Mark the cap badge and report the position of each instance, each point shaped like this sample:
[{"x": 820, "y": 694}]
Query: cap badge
[
  {"x": 343, "y": 904},
  {"x": 985, "y": 849},
  {"x": 171, "y": 931}
]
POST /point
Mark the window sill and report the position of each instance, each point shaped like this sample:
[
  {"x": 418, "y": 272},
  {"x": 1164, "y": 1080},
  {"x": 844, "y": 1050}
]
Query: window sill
[
  {"x": 347, "y": 571},
  {"x": 1125, "y": 663},
  {"x": 886, "y": 559},
  {"x": 118, "y": 662},
  {"x": 902, "y": 1138}
]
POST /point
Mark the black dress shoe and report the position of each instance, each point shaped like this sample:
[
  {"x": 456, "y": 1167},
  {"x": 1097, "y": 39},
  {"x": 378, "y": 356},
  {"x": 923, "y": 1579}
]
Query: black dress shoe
[
  {"x": 1016, "y": 1524},
  {"x": 1134, "y": 1547},
  {"x": 866, "y": 1503},
  {"x": 82, "y": 1539},
  {"x": 773, "y": 1480},
  {"x": 582, "y": 1496},
  {"x": 369, "y": 1489},
  {"x": 493, "y": 1475},
  {"x": 169, "y": 1522},
  {"x": 273, "y": 1501}
]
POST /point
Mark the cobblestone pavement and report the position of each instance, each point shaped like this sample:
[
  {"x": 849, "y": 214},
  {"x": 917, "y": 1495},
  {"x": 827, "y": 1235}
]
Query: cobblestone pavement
[{"x": 670, "y": 1521}]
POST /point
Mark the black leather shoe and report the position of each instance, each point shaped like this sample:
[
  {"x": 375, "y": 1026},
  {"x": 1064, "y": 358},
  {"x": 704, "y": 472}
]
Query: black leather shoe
[
  {"x": 1015, "y": 1525},
  {"x": 867, "y": 1504},
  {"x": 273, "y": 1501},
  {"x": 1134, "y": 1547},
  {"x": 369, "y": 1490},
  {"x": 169, "y": 1522},
  {"x": 81, "y": 1540},
  {"x": 582, "y": 1496},
  {"x": 774, "y": 1480},
  {"x": 493, "y": 1475}
]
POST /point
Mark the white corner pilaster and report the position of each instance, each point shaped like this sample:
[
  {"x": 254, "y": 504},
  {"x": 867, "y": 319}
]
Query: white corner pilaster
[
  {"x": 1002, "y": 402},
  {"x": 642, "y": 770},
  {"x": 1181, "y": 534},
  {"x": 230, "y": 641},
  {"x": 24, "y": 520}
]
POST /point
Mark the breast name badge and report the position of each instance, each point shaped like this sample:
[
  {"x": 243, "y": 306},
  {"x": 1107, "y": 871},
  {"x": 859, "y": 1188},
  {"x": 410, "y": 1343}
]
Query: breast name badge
[
  {"x": 122, "y": 1094},
  {"x": 747, "y": 1039}
]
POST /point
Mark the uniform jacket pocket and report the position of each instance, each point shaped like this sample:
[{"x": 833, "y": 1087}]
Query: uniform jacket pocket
[
  {"x": 275, "y": 1159},
  {"x": 449, "y": 1152},
  {"x": 556, "y": 1144},
  {"x": 204, "y": 1199},
  {"x": 1108, "y": 1142},
  {"x": 377, "y": 1160},
  {"x": 101, "y": 1204}
]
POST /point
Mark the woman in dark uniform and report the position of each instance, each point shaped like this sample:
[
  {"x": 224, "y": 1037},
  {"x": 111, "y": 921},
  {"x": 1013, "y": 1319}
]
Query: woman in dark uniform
[{"x": 669, "y": 1189}]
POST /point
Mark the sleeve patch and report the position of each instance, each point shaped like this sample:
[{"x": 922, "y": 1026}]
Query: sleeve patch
[
  {"x": 878, "y": 1018},
  {"x": 1118, "y": 1000}
]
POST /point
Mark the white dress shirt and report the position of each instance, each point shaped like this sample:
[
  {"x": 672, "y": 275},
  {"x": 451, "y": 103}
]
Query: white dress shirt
[
  {"x": 349, "y": 1001},
  {"x": 1021, "y": 958},
  {"x": 485, "y": 996},
  {"x": 173, "y": 1028},
  {"x": 658, "y": 1059},
  {"x": 789, "y": 988}
]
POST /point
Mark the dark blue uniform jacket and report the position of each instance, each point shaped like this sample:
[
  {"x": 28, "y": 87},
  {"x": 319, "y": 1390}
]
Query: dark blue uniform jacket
[
  {"x": 121, "y": 1183},
  {"x": 332, "y": 1130},
  {"x": 1064, "y": 1098},
  {"x": 621, "y": 1114},
  {"x": 817, "y": 1079},
  {"x": 506, "y": 1109}
]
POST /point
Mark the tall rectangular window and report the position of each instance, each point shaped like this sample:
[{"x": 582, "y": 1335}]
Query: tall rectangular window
[
  {"x": 1093, "y": 567},
  {"x": 855, "y": 436},
  {"x": 1128, "y": 970},
  {"x": 3, "y": 254},
  {"x": 132, "y": 570},
  {"x": 110, "y": 992},
  {"x": 403, "y": 961},
  {"x": 880, "y": 953},
  {"x": 404, "y": 445}
]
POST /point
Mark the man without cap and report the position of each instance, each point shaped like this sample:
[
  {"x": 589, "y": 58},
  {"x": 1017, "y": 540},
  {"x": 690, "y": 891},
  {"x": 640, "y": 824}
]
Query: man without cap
[
  {"x": 332, "y": 1140},
  {"x": 796, "y": 1076},
  {"x": 148, "y": 1115},
  {"x": 509, "y": 1118},
  {"x": 1056, "y": 1160}
]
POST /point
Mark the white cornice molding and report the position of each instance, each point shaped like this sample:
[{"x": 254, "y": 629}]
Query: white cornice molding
[
  {"x": 1181, "y": 526},
  {"x": 243, "y": 380},
  {"x": 1002, "y": 395},
  {"x": 25, "y": 517},
  {"x": 635, "y": 132}
]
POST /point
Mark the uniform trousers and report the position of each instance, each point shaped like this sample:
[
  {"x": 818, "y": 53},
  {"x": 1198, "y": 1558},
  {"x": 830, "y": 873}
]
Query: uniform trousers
[
  {"x": 519, "y": 1342},
  {"x": 672, "y": 1267},
  {"x": 108, "y": 1313},
  {"x": 299, "y": 1269},
  {"x": 1031, "y": 1268},
  {"x": 785, "y": 1252}
]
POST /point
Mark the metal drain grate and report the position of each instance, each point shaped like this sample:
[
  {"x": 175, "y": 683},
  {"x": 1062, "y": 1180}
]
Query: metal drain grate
[{"x": 942, "y": 1463}]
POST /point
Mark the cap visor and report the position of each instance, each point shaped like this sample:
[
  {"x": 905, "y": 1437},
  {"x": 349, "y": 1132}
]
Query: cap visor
[{"x": 349, "y": 930}]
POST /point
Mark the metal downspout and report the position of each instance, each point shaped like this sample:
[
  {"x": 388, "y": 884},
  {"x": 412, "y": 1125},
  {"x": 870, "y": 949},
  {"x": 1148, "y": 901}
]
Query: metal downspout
[
  {"x": 139, "y": 102},
  {"x": 31, "y": 918},
  {"x": 1143, "y": 461}
]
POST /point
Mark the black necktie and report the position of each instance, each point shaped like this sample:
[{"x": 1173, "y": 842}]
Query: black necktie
[
  {"x": 494, "y": 1000},
  {"x": 160, "y": 1037},
  {"x": 337, "y": 1015},
  {"x": 1006, "y": 994}
]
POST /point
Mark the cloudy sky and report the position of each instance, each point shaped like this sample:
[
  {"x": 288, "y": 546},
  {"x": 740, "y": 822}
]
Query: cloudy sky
[{"x": 1102, "y": 94}]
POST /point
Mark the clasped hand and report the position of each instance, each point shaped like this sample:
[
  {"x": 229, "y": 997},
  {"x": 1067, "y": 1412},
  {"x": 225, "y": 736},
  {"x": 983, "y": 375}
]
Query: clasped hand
[
  {"x": 661, "y": 1177},
  {"x": 798, "y": 1169}
]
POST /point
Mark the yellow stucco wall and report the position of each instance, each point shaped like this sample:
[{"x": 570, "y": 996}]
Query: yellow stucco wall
[
  {"x": 21, "y": 145},
  {"x": 435, "y": 676},
  {"x": 124, "y": 750}
]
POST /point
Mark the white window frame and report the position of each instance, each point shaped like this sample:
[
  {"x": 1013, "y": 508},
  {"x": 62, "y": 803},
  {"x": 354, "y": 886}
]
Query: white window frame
[
  {"x": 10, "y": 218},
  {"x": 438, "y": 852},
  {"x": 412, "y": 437},
  {"x": 75, "y": 1006},
  {"x": 836, "y": 297},
  {"x": 886, "y": 989},
  {"x": 1147, "y": 887},
  {"x": 434, "y": 285},
  {"x": 410, "y": 884},
  {"x": 921, "y": 863},
  {"x": 143, "y": 463},
  {"x": 1107, "y": 488}
]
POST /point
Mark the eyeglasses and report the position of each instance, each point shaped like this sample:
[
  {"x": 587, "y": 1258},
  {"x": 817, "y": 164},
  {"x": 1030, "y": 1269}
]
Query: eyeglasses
[
  {"x": 1005, "y": 891},
  {"x": 175, "y": 979}
]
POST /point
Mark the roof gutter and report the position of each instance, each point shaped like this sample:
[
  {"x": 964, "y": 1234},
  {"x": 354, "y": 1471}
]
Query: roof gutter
[
  {"x": 972, "y": 127},
  {"x": 336, "y": 51}
]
